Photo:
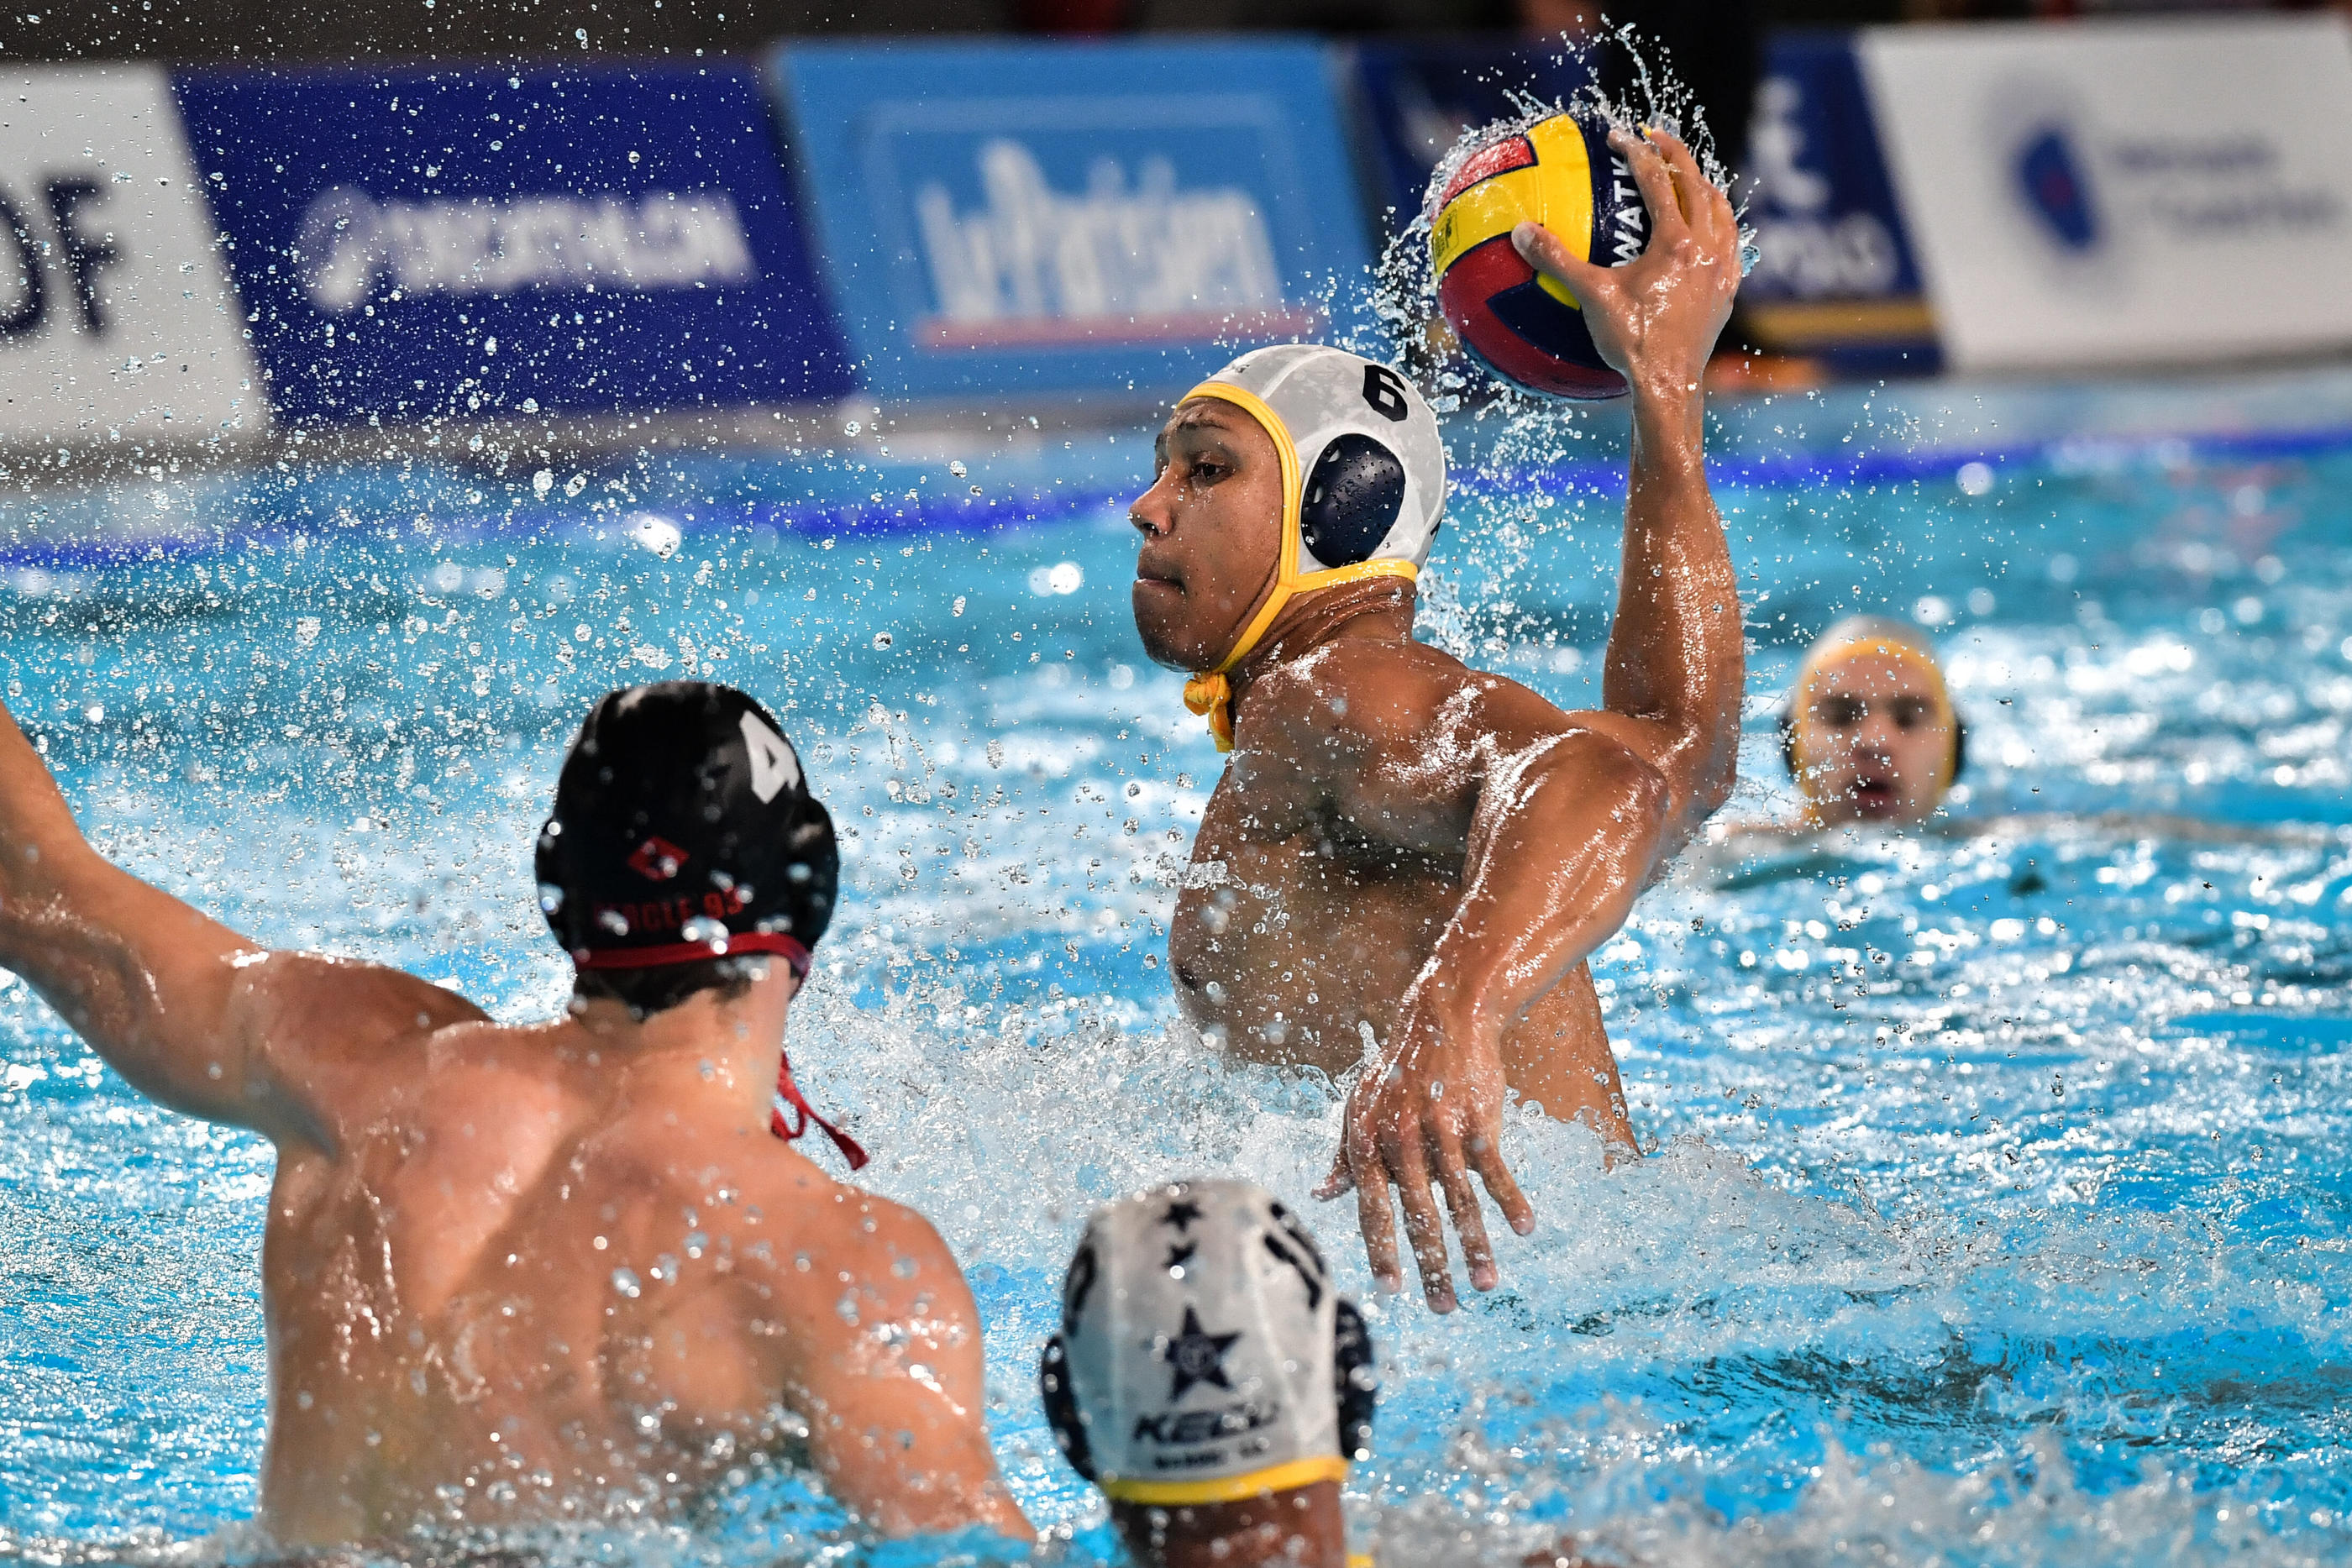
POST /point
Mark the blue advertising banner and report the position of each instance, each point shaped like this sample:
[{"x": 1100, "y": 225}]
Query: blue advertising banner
[
  {"x": 457, "y": 241},
  {"x": 1417, "y": 97},
  {"x": 1074, "y": 217},
  {"x": 1835, "y": 271}
]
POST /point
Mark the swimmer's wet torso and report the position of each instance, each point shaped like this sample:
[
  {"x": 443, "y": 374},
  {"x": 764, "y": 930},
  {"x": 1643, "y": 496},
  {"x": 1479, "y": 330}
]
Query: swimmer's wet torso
[
  {"x": 1299, "y": 933},
  {"x": 491, "y": 1277}
]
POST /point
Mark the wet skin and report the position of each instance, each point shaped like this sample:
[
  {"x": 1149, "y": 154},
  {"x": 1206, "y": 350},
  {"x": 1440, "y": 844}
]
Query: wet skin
[
  {"x": 1404, "y": 847},
  {"x": 1876, "y": 744},
  {"x": 453, "y": 1200},
  {"x": 1300, "y": 1528}
]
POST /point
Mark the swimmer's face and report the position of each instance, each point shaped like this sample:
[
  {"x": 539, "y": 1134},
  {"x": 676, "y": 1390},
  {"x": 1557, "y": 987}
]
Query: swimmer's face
[
  {"x": 1875, "y": 745},
  {"x": 1211, "y": 534}
]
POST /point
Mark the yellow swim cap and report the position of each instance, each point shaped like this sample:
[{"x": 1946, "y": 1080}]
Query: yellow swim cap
[{"x": 1855, "y": 637}]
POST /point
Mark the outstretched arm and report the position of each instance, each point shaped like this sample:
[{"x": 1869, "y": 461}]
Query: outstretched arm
[
  {"x": 1675, "y": 668},
  {"x": 192, "y": 1014}
]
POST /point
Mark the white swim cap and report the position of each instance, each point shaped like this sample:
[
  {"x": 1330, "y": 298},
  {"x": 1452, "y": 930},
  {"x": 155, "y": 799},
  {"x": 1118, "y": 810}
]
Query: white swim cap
[
  {"x": 1204, "y": 1357},
  {"x": 1363, "y": 482},
  {"x": 1370, "y": 463}
]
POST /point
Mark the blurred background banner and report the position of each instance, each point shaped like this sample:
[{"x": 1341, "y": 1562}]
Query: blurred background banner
[
  {"x": 1083, "y": 219},
  {"x": 1091, "y": 225},
  {"x": 2122, "y": 191},
  {"x": 1834, "y": 276},
  {"x": 114, "y": 316},
  {"x": 481, "y": 240},
  {"x": 1415, "y": 97}
]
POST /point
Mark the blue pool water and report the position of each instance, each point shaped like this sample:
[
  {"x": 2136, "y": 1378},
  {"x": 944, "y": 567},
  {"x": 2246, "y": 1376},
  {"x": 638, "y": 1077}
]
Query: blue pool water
[{"x": 1998, "y": 1208}]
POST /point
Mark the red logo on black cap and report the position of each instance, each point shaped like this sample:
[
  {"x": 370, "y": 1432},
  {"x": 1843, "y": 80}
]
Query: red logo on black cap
[{"x": 657, "y": 860}]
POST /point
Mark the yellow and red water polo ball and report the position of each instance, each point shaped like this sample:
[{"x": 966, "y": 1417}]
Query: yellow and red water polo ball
[{"x": 1558, "y": 172}]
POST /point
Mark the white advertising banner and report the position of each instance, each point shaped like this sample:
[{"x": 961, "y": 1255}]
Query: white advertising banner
[
  {"x": 116, "y": 318},
  {"x": 2110, "y": 193}
]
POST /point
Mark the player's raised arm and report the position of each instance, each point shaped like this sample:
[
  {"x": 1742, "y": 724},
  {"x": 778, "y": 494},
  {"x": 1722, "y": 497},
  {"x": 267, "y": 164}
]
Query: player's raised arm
[
  {"x": 1675, "y": 669},
  {"x": 195, "y": 1016},
  {"x": 1573, "y": 813}
]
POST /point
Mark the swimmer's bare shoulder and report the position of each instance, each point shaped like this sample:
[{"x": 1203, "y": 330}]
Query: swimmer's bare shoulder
[
  {"x": 873, "y": 1338},
  {"x": 763, "y": 1282},
  {"x": 1388, "y": 731}
]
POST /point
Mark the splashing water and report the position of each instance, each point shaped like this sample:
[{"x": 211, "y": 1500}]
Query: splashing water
[{"x": 1997, "y": 1208}]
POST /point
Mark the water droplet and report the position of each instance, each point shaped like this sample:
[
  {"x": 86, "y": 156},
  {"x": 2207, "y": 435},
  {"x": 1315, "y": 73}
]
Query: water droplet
[
  {"x": 658, "y": 534},
  {"x": 881, "y": 640},
  {"x": 626, "y": 1283}
]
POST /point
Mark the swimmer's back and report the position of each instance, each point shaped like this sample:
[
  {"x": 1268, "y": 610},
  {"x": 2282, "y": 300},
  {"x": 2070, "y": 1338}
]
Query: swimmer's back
[{"x": 515, "y": 1260}]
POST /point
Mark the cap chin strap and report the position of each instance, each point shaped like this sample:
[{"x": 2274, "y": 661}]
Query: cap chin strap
[
  {"x": 1287, "y": 1477},
  {"x": 789, "y": 1094},
  {"x": 1920, "y": 664},
  {"x": 1210, "y": 693},
  {"x": 793, "y": 952}
]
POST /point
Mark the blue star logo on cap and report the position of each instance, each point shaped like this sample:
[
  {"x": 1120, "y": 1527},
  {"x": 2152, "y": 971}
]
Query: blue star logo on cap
[{"x": 1197, "y": 1356}]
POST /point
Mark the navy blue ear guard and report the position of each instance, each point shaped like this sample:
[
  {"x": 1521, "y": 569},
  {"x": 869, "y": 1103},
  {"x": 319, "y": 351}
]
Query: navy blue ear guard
[
  {"x": 1354, "y": 1382},
  {"x": 1351, "y": 500}
]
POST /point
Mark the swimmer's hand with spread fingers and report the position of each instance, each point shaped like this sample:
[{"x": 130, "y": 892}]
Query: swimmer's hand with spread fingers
[
  {"x": 1569, "y": 828},
  {"x": 1568, "y": 833}
]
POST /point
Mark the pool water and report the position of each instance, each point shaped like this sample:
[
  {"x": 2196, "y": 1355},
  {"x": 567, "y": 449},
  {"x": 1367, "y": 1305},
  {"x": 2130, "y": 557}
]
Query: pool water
[{"x": 1997, "y": 1208}]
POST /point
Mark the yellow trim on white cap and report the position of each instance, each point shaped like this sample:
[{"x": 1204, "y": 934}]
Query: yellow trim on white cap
[
  {"x": 1210, "y": 694},
  {"x": 1287, "y": 1477}
]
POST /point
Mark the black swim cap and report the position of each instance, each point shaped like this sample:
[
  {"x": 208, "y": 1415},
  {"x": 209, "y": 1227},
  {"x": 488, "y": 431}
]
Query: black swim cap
[{"x": 684, "y": 830}]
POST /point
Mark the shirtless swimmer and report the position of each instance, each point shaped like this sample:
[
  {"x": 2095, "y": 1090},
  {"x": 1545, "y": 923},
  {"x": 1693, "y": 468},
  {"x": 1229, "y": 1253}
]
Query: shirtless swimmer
[
  {"x": 1404, "y": 851},
  {"x": 558, "y": 1270}
]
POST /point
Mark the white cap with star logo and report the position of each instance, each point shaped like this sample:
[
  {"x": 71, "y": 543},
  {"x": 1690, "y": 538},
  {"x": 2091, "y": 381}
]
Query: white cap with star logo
[{"x": 1197, "y": 1348}]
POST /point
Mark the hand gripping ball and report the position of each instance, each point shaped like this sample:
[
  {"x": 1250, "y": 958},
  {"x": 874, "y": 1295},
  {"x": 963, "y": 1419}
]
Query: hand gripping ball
[{"x": 1560, "y": 173}]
